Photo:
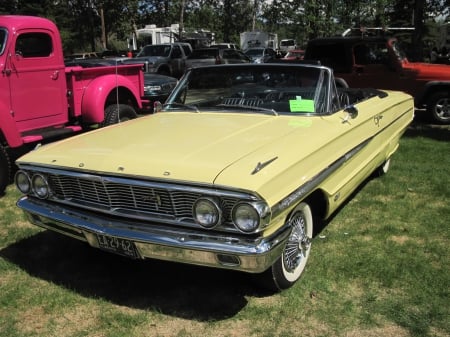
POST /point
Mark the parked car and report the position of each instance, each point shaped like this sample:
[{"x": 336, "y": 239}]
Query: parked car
[
  {"x": 260, "y": 55},
  {"x": 166, "y": 59},
  {"x": 211, "y": 56},
  {"x": 286, "y": 45},
  {"x": 158, "y": 87},
  {"x": 225, "y": 45},
  {"x": 85, "y": 55},
  {"x": 295, "y": 54},
  {"x": 380, "y": 62},
  {"x": 236, "y": 171}
]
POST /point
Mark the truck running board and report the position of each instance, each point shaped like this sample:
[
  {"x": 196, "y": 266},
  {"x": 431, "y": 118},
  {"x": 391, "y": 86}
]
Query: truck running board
[{"x": 50, "y": 133}]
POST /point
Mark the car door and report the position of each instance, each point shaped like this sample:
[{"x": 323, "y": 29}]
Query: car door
[
  {"x": 373, "y": 67},
  {"x": 177, "y": 61}
]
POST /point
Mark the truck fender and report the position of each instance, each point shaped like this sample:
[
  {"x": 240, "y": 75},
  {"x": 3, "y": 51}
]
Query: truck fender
[
  {"x": 8, "y": 127},
  {"x": 429, "y": 89},
  {"x": 93, "y": 103}
]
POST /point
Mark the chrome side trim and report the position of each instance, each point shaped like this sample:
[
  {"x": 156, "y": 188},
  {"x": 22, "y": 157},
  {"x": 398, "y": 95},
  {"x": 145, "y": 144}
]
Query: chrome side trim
[
  {"x": 255, "y": 253},
  {"x": 310, "y": 185}
]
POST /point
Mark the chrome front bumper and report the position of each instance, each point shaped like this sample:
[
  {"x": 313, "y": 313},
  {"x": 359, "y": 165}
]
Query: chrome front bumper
[{"x": 157, "y": 241}]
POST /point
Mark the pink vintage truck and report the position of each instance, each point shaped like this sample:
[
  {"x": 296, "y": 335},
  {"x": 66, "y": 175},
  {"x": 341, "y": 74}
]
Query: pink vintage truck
[{"x": 41, "y": 99}]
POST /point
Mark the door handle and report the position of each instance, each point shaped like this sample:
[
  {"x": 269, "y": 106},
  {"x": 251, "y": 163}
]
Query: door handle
[{"x": 55, "y": 75}]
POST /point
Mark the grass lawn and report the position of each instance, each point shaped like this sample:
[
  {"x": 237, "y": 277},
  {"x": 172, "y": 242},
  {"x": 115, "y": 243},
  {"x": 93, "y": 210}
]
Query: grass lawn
[{"x": 379, "y": 268}]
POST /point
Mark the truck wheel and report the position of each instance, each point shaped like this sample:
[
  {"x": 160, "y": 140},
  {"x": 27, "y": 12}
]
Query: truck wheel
[
  {"x": 438, "y": 107},
  {"x": 118, "y": 113},
  {"x": 5, "y": 169},
  {"x": 290, "y": 265}
]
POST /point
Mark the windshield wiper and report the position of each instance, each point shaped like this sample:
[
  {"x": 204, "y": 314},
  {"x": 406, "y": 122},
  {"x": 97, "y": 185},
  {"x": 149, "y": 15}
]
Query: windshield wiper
[
  {"x": 181, "y": 105},
  {"x": 248, "y": 107}
]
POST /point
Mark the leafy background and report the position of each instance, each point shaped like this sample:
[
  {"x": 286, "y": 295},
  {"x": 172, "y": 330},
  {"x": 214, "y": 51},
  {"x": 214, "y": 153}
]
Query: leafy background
[{"x": 81, "y": 25}]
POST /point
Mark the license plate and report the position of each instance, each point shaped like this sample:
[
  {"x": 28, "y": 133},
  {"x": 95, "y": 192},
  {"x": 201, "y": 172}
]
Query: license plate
[{"x": 116, "y": 245}]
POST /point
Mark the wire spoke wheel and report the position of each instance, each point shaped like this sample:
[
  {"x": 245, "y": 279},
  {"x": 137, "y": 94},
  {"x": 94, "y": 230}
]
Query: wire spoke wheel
[{"x": 288, "y": 268}]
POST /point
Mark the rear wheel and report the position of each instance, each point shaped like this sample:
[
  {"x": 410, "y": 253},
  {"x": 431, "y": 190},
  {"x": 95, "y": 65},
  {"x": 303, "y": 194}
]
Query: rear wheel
[
  {"x": 118, "y": 113},
  {"x": 438, "y": 107},
  {"x": 5, "y": 169},
  {"x": 291, "y": 264}
]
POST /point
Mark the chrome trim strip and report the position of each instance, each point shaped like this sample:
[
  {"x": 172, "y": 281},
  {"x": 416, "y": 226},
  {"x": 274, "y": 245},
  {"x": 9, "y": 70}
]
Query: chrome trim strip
[
  {"x": 254, "y": 253},
  {"x": 310, "y": 185}
]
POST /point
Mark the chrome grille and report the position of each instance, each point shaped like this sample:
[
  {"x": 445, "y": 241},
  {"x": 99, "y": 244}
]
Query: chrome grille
[{"x": 132, "y": 198}]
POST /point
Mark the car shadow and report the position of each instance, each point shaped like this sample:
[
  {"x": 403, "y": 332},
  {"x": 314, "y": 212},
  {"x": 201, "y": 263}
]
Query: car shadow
[
  {"x": 176, "y": 289},
  {"x": 431, "y": 131}
]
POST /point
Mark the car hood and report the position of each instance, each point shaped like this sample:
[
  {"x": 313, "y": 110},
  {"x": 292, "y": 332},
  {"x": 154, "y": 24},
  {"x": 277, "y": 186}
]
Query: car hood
[
  {"x": 152, "y": 79},
  {"x": 430, "y": 71},
  {"x": 223, "y": 148},
  {"x": 143, "y": 59}
]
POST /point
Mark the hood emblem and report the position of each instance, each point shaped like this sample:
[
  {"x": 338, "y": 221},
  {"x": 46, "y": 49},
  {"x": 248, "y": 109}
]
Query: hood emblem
[{"x": 260, "y": 165}]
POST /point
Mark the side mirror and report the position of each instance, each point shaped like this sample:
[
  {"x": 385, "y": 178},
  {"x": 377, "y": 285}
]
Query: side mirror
[{"x": 157, "y": 106}]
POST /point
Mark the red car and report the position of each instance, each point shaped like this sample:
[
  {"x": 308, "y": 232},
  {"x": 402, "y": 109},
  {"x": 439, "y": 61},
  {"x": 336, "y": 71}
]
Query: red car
[{"x": 295, "y": 54}]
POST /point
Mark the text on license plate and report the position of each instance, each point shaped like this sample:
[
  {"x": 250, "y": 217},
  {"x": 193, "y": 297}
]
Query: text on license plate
[{"x": 117, "y": 245}]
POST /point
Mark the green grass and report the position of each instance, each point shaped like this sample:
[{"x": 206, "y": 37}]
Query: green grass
[{"x": 379, "y": 268}]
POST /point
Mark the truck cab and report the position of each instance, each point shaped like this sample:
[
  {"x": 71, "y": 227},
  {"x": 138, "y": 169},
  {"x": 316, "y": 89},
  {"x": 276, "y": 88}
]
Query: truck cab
[
  {"x": 43, "y": 100},
  {"x": 33, "y": 74}
]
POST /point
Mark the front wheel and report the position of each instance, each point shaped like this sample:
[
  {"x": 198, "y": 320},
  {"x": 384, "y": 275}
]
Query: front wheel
[
  {"x": 291, "y": 264},
  {"x": 438, "y": 107},
  {"x": 118, "y": 113}
]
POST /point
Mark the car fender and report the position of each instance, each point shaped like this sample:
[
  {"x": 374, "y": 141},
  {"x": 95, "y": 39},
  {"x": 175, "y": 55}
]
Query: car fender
[
  {"x": 8, "y": 127},
  {"x": 96, "y": 93},
  {"x": 430, "y": 88}
]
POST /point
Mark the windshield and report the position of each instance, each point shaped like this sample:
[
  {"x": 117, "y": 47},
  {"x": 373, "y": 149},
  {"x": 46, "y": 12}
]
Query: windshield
[
  {"x": 155, "y": 50},
  {"x": 3, "y": 34},
  {"x": 275, "y": 89},
  {"x": 286, "y": 43}
]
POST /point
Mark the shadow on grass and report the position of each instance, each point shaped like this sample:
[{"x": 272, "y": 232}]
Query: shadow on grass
[
  {"x": 179, "y": 290},
  {"x": 436, "y": 132}
]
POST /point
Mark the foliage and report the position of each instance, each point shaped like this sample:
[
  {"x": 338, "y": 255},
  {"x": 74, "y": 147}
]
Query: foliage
[{"x": 81, "y": 20}]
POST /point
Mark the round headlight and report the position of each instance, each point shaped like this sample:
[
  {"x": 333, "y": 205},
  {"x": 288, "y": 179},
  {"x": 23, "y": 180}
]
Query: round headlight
[
  {"x": 23, "y": 182},
  {"x": 40, "y": 186},
  {"x": 207, "y": 212},
  {"x": 245, "y": 217}
]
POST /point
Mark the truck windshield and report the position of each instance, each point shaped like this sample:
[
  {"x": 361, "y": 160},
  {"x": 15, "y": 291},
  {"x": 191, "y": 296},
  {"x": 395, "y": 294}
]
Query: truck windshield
[
  {"x": 287, "y": 43},
  {"x": 2, "y": 40},
  {"x": 155, "y": 50}
]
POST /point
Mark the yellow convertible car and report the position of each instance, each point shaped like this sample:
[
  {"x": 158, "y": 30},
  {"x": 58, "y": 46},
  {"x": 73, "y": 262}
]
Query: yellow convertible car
[{"x": 234, "y": 171}]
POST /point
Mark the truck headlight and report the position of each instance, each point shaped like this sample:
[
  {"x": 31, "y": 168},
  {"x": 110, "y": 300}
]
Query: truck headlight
[
  {"x": 206, "y": 212},
  {"x": 23, "y": 182},
  {"x": 40, "y": 186}
]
